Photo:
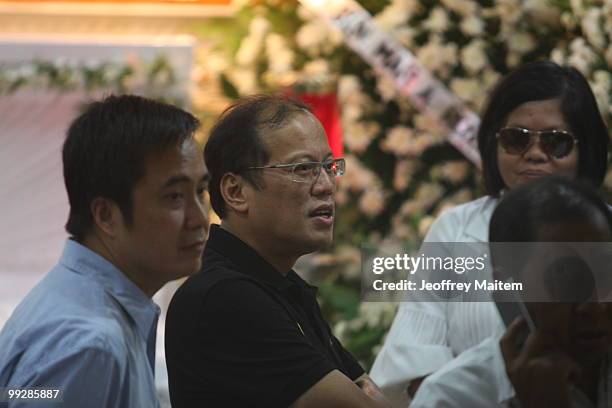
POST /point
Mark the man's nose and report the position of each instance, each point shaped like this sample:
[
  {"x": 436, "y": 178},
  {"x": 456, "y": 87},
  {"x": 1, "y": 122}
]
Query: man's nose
[
  {"x": 325, "y": 183},
  {"x": 198, "y": 215}
]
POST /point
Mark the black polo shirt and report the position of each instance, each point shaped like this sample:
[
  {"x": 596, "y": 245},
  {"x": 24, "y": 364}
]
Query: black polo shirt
[{"x": 240, "y": 334}]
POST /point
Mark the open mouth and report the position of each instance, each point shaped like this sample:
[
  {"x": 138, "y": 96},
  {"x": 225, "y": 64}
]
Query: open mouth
[{"x": 323, "y": 215}]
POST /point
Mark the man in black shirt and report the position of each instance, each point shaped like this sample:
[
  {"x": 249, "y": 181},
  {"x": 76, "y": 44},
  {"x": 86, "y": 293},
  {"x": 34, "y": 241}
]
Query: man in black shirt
[{"x": 247, "y": 331}]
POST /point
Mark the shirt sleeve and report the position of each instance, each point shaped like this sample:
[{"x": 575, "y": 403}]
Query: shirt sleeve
[
  {"x": 352, "y": 366},
  {"x": 86, "y": 378},
  {"x": 417, "y": 343},
  {"x": 416, "y": 346},
  {"x": 433, "y": 395},
  {"x": 250, "y": 350}
]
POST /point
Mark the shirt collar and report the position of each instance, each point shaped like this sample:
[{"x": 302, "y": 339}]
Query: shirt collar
[
  {"x": 91, "y": 265},
  {"x": 248, "y": 261}
]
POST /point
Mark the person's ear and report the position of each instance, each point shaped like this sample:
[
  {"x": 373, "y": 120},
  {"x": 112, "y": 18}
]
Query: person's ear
[
  {"x": 233, "y": 188},
  {"x": 106, "y": 215}
]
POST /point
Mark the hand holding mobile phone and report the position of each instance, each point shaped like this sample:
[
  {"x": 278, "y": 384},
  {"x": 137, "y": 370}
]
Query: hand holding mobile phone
[
  {"x": 540, "y": 373},
  {"x": 510, "y": 307}
]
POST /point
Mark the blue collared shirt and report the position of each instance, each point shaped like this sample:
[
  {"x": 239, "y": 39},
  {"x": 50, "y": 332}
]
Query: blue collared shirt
[{"x": 86, "y": 330}]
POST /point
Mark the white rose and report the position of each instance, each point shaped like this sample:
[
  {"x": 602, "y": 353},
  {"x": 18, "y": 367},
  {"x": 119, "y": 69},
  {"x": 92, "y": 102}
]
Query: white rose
[
  {"x": 577, "y": 7},
  {"x": 312, "y": 36},
  {"x": 510, "y": 12},
  {"x": 462, "y": 7},
  {"x": 558, "y": 56},
  {"x": 305, "y": 13},
  {"x": 513, "y": 59},
  {"x": 521, "y": 43},
  {"x": 468, "y": 89},
  {"x": 399, "y": 141},
  {"x": 245, "y": 80},
  {"x": 428, "y": 124},
  {"x": 386, "y": 87},
  {"x": 568, "y": 20},
  {"x": 259, "y": 26},
  {"x": 490, "y": 78},
  {"x": 405, "y": 35},
  {"x": 404, "y": 171},
  {"x": 473, "y": 56},
  {"x": 591, "y": 27},
  {"x": 350, "y": 112},
  {"x": 392, "y": 16},
  {"x": 280, "y": 56},
  {"x": 347, "y": 86},
  {"x": 453, "y": 171},
  {"x": 472, "y": 26},
  {"x": 317, "y": 67},
  {"x": 250, "y": 49},
  {"x": 280, "y": 79},
  {"x": 437, "y": 57},
  {"x": 582, "y": 56},
  {"x": 601, "y": 89},
  {"x": 372, "y": 202},
  {"x": 429, "y": 193},
  {"x": 437, "y": 21},
  {"x": 541, "y": 12},
  {"x": 359, "y": 135}
]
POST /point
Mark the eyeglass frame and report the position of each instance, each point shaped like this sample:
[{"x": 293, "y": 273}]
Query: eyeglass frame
[
  {"x": 532, "y": 134},
  {"x": 292, "y": 166}
]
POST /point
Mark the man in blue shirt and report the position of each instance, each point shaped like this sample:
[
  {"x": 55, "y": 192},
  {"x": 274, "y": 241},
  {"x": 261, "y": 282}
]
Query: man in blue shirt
[{"x": 135, "y": 179}]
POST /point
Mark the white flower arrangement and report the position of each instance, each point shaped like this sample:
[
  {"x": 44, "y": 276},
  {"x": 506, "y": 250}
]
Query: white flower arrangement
[{"x": 397, "y": 156}]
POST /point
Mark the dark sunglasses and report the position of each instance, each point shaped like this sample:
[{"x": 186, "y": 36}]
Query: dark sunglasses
[{"x": 555, "y": 143}]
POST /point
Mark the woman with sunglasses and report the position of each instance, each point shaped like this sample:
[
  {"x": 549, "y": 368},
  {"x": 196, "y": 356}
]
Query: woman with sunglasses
[{"x": 541, "y": 119}]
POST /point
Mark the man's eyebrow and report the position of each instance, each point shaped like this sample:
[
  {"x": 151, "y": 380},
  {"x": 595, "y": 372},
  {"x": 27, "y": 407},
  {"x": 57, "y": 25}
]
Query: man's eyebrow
[
  {"x": 181, "y": 178},
  {"x": 308, "y": 157}
]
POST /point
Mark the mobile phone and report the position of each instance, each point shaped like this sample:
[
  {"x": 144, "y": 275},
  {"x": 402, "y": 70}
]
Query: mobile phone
[{"x": 510, "y": 306}]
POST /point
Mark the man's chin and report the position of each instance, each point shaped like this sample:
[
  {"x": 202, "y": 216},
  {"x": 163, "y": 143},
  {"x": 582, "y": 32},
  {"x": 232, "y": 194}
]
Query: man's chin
[{"x": 319, "y": 242}]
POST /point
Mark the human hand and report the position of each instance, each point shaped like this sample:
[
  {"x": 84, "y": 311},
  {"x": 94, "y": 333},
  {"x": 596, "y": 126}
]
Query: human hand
[
  {"x": 370, "y": 389},
  {"x": 539, "y": 371}
]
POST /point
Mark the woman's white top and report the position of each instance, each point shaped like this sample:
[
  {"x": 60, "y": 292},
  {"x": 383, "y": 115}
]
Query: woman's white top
[{"x": 426, "y": 335}]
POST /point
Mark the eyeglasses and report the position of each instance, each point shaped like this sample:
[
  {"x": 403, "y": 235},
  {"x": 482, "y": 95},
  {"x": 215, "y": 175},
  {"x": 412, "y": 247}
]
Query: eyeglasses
[
  {"x": 555, "y": 143},
  {"x": 306, "y": 172}
]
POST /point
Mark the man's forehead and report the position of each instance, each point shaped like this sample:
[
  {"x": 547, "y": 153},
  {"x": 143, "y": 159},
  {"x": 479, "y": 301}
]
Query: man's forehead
[
  {"x": 182, "y": 162},
  {"x": 302, "y": 136}
]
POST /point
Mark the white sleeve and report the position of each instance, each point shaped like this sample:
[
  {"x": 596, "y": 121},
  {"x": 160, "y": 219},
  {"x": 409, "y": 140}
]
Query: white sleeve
[
  {"x": 434, "y": 395},
  {"x": 415, "y": 347},
  {"x": 417, "y": 343}
]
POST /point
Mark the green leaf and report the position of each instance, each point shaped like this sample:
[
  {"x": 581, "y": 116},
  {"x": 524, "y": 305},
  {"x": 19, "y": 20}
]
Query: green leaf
[{"x": 228, "y": 88}]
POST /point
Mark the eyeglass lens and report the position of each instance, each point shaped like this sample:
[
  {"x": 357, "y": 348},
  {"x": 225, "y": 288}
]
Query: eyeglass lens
[
  {"x": 332, "y": 167},
  {"x": 554, "y": 143}
]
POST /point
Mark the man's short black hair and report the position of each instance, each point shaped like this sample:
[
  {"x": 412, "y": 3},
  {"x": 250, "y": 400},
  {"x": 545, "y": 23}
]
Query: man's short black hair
[
  {"x": 546, "y": 201},
  {"x": 235, "y": 142},
  {"x": 538, "y": 81},
  {"x": 106, "y": 148}
]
